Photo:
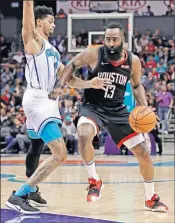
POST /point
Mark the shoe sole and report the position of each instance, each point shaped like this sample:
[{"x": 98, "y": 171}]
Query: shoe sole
[
  {"x": 36, "y": 204},
  {"x": 161, "y": 209},
  {"x": 97, "y": 198},
  {"x": 19, "y": 209}
]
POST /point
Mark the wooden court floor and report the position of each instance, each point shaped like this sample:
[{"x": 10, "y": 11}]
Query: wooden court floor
[{"x": 65, "y": 190}]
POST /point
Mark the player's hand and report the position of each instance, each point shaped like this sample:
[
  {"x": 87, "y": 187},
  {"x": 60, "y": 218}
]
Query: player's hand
[
  {"x": 55, "y": 93},
  {"x": 99, "y": 83}
]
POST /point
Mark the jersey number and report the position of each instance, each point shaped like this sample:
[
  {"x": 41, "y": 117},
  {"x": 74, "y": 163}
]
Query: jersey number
[{"x": 109, "y": 93}]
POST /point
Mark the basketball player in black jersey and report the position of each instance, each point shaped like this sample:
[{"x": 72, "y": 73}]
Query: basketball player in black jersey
[{"x": 105, "y": 109}]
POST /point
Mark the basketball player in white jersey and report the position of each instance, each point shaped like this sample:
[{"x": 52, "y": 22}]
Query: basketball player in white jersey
[{"x": 42, "y": 67}]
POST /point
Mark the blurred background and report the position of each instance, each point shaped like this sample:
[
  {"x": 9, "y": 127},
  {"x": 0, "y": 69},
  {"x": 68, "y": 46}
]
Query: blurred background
[{"x": 153, "y": 40}]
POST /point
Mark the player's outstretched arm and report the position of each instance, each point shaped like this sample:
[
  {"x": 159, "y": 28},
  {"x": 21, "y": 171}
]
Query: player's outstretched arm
[
  {"x": 30, "y": 36},
  {"x": 138, "y": 89}
]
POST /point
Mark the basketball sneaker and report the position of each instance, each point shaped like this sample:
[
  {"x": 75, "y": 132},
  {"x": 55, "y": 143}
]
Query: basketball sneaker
[
  {"x": 21, "y": 205},
  {"x": 94, "y": 190},
  {"x": 155, "y": 204},
  {"x": 35, "y": 199}
]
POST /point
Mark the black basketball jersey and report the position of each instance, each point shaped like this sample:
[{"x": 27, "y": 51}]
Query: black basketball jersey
[{"x": 119, "y": 74}]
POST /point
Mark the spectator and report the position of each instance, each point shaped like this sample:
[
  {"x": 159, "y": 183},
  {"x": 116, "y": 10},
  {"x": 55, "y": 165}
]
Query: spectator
[
  {"x": 83, "y": 36},
  {"x": 161, "y": 68},
  {"x": 144, "y": 41},
  {"x": 4, "y": 48},
  {"x": 3, "y": 115},
  {"x": 165, "y": 101},
  {"x": 23, "y": 139},
  {"x": 151, "y": 47},
  {"x": 18, "y": 57},
  {"x": 70, "y": 135},
  {"x": 169, "y": 11},
  {"x": 149, "y": 83},
  {"x": 151, "y": 63},
  {"x": 10, "y": 139},
  {"x": 61, "y": 14},
  {"x": 148, "y": 12}
]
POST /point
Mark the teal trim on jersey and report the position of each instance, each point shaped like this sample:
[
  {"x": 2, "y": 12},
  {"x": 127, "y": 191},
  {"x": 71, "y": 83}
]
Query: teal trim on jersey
[
  {"x": 32, "y": 134},
  {"x": 50, "y": 132},
  {"x": 129, "y": 99}
]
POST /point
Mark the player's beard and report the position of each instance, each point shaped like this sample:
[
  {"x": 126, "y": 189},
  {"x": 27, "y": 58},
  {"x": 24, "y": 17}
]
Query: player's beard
[{"x": 113, "y": 53}]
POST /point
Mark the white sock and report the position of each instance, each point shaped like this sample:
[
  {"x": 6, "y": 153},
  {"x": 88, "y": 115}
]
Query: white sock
[
  {"x": 92, "y": 170},
  {"x": 149, "y": 187}
]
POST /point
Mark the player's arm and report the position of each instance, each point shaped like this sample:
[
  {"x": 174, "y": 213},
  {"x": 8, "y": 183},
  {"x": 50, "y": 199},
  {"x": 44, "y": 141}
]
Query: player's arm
[
  {"x": 138, "y": 89},
  {"x": 32, "y": 40},
  {"x": 79, "y": 60},
  {"x": 88, "y": 57}
]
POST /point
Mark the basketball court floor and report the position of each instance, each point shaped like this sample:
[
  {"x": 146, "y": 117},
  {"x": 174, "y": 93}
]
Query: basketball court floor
[{"x": 122, "y": 199}]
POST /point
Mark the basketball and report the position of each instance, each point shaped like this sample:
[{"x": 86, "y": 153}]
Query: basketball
[{"x": 142, "y": 119}]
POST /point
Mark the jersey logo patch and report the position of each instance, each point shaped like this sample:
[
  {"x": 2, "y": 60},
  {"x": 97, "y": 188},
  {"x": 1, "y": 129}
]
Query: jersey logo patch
[{"x": 125, "y": 66}]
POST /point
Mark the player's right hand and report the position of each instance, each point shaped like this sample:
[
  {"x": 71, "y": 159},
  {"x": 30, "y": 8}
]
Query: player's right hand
[{"x": 99, "y": 83}]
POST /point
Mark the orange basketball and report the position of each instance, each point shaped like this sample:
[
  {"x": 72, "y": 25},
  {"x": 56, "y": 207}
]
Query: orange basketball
[{"x": 142, "y": 119}]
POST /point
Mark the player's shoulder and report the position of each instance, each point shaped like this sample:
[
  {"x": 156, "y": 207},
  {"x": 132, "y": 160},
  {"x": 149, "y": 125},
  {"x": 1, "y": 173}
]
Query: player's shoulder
[
  {"x": 89, "y": 53},
  {"x": 135, "y": 58}
]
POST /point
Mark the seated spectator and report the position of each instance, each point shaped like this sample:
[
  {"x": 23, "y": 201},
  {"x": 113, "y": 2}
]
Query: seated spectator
[
  {"x": 70, "y": 135},
  {"x": 149, "y": 82},
  {"x": 144, "y": 41},
  {"x": 151, "y": 62},
  {"x": 23, "y": 140},
  {"x": 18, "y": 57},
  {"x": 11, "y": 142},
  {"x": 161, "y": 68},
  {"x": 3, "y": 115},
  {"x": 151, "y": 47},
  {"x": 155, "y": 73}
]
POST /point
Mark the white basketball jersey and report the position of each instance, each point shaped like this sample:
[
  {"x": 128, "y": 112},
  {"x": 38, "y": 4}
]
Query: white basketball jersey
[{"x": 41, "y": 69}]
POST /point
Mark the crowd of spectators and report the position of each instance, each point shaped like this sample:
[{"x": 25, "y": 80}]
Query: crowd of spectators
[{"x": 157, "y": 55}]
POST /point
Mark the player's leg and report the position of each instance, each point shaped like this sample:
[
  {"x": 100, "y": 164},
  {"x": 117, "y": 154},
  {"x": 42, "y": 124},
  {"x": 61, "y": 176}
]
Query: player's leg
[
  {"x": 87, "y": 129},
  {"x": 32, "y": 161},
  {"x": 136, "y": 143},
  {"x": 142, "y": 154},
  {"x": 52, "y": 136}
]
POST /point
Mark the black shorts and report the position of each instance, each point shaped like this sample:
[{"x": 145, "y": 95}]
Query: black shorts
[{"x": 115, "y": 121}]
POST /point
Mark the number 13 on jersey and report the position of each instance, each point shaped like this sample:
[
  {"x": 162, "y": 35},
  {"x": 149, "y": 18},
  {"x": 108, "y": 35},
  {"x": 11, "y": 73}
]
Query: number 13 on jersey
[{"x": 109, "y": 92}]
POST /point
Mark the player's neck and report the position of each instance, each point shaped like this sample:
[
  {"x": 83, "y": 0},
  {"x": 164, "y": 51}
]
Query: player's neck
[{"x": 40, "y": 31}]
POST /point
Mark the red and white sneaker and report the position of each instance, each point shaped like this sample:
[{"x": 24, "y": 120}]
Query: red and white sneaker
[
  {"x": 94, "y": 190},
  {"x": 155, "y": 204}
]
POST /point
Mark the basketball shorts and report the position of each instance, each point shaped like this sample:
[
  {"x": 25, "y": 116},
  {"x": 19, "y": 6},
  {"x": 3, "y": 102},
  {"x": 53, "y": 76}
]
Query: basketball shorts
[
  {"x": 115, "y": 121},
  {"x": 39, "y": 111}
]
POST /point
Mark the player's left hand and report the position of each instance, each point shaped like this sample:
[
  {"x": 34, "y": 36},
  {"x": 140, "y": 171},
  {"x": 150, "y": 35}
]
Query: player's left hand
[{"x": 99, "y": 83}]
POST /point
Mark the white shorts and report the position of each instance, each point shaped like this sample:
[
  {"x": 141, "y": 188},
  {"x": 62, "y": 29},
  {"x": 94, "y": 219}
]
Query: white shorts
[
  {"x": 129, "y": 142},
  {"x": 39, "y": 109}
]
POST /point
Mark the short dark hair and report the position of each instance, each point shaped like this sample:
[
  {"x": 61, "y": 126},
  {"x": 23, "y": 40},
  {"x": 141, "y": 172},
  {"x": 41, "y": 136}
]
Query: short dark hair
[
  {"x": 114, "y": 25},
  {"x": 41, "y": 12}
]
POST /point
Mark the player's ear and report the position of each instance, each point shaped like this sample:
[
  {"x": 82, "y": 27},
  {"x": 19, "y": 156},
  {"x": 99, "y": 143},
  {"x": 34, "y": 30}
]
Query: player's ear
[{"x": 38, "y": 22}]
